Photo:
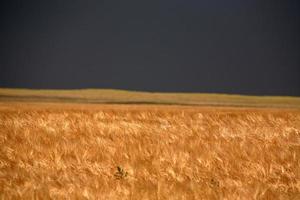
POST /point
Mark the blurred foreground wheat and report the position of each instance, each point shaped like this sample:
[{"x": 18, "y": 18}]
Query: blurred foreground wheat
[{"x": 148, "y": 152}]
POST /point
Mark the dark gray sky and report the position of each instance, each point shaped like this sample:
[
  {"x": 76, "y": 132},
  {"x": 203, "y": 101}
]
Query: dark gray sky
[{"x": 232, "y": 46}]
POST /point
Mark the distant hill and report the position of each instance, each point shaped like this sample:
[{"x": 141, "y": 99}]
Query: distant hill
[{"x": 133, "y": 97}]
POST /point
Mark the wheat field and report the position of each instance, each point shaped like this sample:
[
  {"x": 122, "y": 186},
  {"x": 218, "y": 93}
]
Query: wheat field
[{"x": 84, "y": 151}]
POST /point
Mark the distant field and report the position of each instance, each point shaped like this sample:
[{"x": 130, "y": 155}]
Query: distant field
[
  {"x": 94, "y": 151},
  {"x": 130, "y": 97}
]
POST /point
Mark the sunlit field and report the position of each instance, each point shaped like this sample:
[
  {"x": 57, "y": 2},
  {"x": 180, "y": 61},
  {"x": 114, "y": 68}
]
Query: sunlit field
[{"x": 148, "y": 152}]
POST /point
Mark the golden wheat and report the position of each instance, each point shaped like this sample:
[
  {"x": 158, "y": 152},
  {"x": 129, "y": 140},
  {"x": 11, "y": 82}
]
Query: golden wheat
[{"x": 63, "y": 151}]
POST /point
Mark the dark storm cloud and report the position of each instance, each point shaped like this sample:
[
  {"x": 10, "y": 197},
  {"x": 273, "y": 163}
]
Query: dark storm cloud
[{"x": 248, "y": 47}]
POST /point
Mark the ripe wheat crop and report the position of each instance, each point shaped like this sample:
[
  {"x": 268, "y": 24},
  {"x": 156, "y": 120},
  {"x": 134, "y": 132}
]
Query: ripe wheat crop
[{"x": 63, "y": 151}]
